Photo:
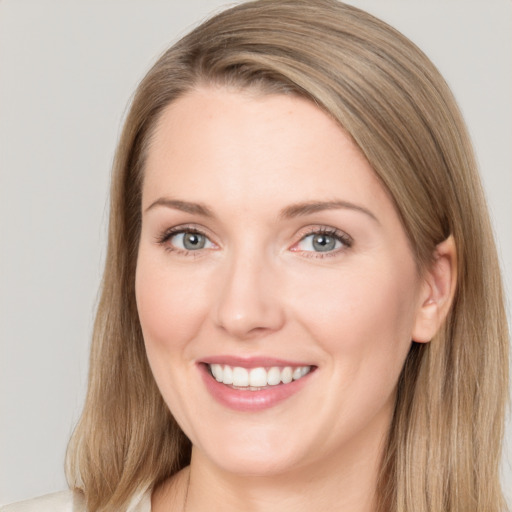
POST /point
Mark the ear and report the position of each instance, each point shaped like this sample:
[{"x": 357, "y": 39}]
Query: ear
[{"x": 438, "y": 290}]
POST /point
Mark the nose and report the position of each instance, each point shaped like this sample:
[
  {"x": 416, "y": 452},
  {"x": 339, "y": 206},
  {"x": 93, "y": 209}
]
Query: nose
[{"x": 249, "y": 303}]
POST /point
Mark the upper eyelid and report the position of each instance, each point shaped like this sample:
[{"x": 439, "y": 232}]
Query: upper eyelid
[
  {"x": 184, "y": 228},
  {"x": 311, "y": 230}
]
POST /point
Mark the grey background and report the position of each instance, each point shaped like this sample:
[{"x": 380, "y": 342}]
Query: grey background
[{"x": 67, "y": 70}]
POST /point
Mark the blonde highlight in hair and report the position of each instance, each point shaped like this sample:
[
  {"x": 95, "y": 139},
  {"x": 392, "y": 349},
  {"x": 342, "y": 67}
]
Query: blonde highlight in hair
[{"x": 444, "y": 443}]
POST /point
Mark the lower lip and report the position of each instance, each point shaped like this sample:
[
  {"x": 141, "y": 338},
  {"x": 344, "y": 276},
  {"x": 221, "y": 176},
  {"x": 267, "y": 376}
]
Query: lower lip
[{"x": 250, "y": 401}]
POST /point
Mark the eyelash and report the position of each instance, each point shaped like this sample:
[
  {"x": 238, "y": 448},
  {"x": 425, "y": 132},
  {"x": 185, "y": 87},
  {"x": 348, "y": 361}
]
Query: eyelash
[
  {"x": 164, "y": 238},
  {"x": 338, "y": 235},
  {"x": 345, "y": 240}
]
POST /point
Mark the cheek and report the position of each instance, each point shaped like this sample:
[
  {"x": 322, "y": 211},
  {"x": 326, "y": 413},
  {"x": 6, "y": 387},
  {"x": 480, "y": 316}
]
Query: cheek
[
  {"x": 363, "y": 324},
  {"x": 362, "y": 315},
  {"x": 171, "y": 305}
]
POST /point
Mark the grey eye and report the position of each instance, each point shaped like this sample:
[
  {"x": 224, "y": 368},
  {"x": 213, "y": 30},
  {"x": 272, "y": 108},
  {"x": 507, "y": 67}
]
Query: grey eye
[
  {"x": 324, "y": 243},
  {"x": 190, "y": 241},
  {"x": 319, "y": 242}
]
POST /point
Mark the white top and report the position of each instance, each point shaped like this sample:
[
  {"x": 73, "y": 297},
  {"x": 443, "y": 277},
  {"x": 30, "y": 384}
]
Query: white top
[{"x": 68, "y": 501}]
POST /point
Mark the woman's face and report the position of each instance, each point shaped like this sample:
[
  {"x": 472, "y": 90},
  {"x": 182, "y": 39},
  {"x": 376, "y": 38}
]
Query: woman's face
[{"x": 271, "y": 255}]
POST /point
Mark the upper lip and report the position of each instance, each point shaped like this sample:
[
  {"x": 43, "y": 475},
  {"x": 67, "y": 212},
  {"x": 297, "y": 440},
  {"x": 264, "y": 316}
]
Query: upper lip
[{"x": 251, "y": 362}]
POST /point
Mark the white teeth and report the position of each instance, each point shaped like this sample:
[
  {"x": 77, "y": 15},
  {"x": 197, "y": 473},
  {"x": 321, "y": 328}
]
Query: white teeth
[
  {"x": 274, "y": 376},
  {"x": 286, "y": 375},
  {"x": 257, "y": 377},
  {"x": 217, "y": 372},
  {"x": 240, "y": 377},
  {"x": 297, "y": 373},
  {"x": 228, "y": 375}
]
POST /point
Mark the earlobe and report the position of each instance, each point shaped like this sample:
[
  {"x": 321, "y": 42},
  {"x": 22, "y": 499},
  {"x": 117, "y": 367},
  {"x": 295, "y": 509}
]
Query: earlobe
[{"x": 438, "y": 291}]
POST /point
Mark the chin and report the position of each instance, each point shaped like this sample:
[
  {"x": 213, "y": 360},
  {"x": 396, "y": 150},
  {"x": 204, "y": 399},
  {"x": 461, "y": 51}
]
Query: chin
[
  {"x": 251, "y": 455},
  {"x": 254, "y": 465}
]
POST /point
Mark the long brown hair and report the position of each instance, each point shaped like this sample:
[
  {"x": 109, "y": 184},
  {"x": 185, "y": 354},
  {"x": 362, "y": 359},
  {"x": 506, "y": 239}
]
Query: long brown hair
[{"x": 444, "y": 444}]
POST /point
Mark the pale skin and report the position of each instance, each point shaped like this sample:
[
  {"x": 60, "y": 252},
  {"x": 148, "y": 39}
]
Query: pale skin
[{"x": 258, "y": 178}]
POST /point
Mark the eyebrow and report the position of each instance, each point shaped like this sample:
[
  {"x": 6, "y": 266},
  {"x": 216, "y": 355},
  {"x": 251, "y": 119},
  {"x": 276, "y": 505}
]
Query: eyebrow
[
  {"x": 184, "y": 206},
  {"x": 307, "y": 208},
  {"x": 289, "y": 212}
]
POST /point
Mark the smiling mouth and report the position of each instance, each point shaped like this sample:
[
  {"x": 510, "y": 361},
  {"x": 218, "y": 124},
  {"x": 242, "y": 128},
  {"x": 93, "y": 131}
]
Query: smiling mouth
[{"x": 256, "y": 379}]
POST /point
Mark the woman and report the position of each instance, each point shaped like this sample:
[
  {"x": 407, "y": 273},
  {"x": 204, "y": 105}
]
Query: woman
[{"x": 301, "y": 288}]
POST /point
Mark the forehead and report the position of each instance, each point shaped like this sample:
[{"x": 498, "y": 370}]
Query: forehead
[{"x": 216, "y": 142}]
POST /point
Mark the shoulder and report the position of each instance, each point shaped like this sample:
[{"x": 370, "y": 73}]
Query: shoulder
[
  {"x": 69, "y": 501},
  {"x": 66, "y": 501}
]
